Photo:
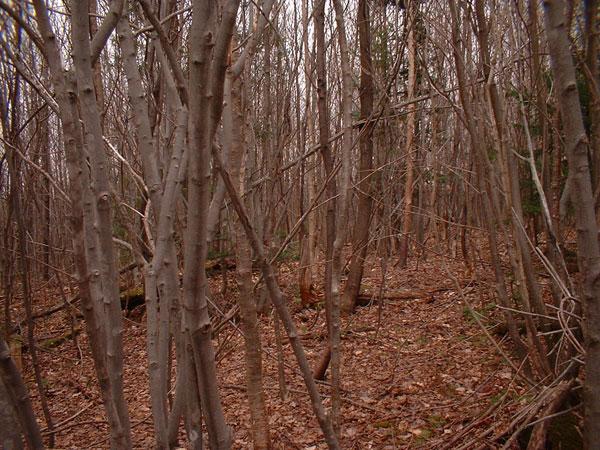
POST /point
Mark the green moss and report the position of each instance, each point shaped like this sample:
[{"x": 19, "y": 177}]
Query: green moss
[
  {"x": 383, "y": 424},
  {"x": 290, "y": 253},
  {"x": 471, "y": 314},
  {"x": 497, "y": 398},
  {"x": 215, "y": 254},
  {"x": 436, "y": 421},
  {"x": 422, "y": 438},
  {"x": 423, "y": 340},
  {"x": 483, "y": 313},
  {"x": 132, "y": 293}
]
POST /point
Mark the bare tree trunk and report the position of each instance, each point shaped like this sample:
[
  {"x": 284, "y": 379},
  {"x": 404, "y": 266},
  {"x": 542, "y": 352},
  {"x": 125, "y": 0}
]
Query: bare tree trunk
[
  {"x": 340, "y": 237},
  {"x": 102, "y": 210},
  {"x": 360, "y": 243},
  {"x": 409, "y": 152},
  {"x": 307, "y": 230},
  {"x": 88, "y": 290},
  {"x": 551, "y": 154},
  {"x": 161, "y": 276},
  {"x": 19, "y": 397},
  {"x": 488, "y": 212},
  {"x": 206, "y": 88},
  {"x": 234, "y": 72},
  {"x": 323, "y": 112},
  {"x": 11, "y": 436},
  {"x": 520, "y": 258},
  {"x": 233, "y": 125},
  {"x": 26, "y": 287},
  {"x": 319, "y": 17},
  {"x": 158, "y": 392},
  {"x": 588, "y": 255},
  {"x": 193, "y": 414},
  {"x": 11, "y": 124},
  {"x": 278, "y": 301},
  {"x": 592, "y": 75},
  {"x": 46, "y": 195}
]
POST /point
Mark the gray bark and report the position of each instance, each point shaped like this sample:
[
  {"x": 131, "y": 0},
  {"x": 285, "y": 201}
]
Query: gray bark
[
  {"x": 81, "y": 219},
  {"x": 588, "y": 253},
  {"x": 10, "y": 429},
  {"x": 17, "y": 399},
  {"x": 106, "y": 270},
  {"x": 206, "y": 87}
]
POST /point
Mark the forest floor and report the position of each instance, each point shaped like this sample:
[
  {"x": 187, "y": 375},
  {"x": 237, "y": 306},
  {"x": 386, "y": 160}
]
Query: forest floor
[{"x": 417, "y": 372}]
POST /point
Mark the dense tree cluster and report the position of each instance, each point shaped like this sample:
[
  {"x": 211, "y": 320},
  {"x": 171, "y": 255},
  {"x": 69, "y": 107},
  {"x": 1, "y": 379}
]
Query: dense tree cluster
[{"x": 146, "y": 138}]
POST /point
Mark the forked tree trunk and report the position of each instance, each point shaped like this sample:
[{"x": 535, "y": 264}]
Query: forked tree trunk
[
  {"x": 101, "y": 210},
  {"x": 161, "y": 278},
  {"x": 80, "y": 222},
  {"x": 588, "y": 254},
  {"x": 207, "y": 72}
]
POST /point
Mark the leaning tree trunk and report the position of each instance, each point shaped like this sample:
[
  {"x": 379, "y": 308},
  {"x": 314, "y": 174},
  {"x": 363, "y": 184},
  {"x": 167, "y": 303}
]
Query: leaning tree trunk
[
  {"x": 280, "y": 305},
  {"x": 588, "y": 254},
  {"x": 10, "y": 428},
  {"x": 19, "y": 397},
  {"x": 483, "y": 176}
]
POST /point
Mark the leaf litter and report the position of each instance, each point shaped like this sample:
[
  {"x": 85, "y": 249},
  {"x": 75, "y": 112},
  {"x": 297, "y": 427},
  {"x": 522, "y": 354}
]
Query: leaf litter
[{"x": 416, "y": 372}]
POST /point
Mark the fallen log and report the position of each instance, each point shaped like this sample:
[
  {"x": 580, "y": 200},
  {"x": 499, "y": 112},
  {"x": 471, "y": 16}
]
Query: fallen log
[
  {"x": 365, "y": 298},
  {"x": 57, "y": 341},
  {"x": 46, "y": 344},
  {"x": 71, "y": 302},
  {"x": 214, "y": 265},
  {"x": 548, "y": 413}
]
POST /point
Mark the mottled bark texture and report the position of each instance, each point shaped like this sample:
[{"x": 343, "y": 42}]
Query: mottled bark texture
[{"x": 588, "y": 252}]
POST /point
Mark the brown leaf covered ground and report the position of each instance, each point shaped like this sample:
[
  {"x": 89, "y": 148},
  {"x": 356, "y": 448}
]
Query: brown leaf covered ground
[{"x": 417, "y": 373}]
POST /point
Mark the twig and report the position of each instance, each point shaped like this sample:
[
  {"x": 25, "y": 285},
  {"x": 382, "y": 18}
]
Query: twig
[
  {"x": 67, "y": 420},
  {"x": 134, "y": 425},
  {"x": 483, "y": 327}
]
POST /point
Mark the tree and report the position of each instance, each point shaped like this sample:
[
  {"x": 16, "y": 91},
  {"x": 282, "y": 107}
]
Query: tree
[{"x": 576, "y": 147}]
